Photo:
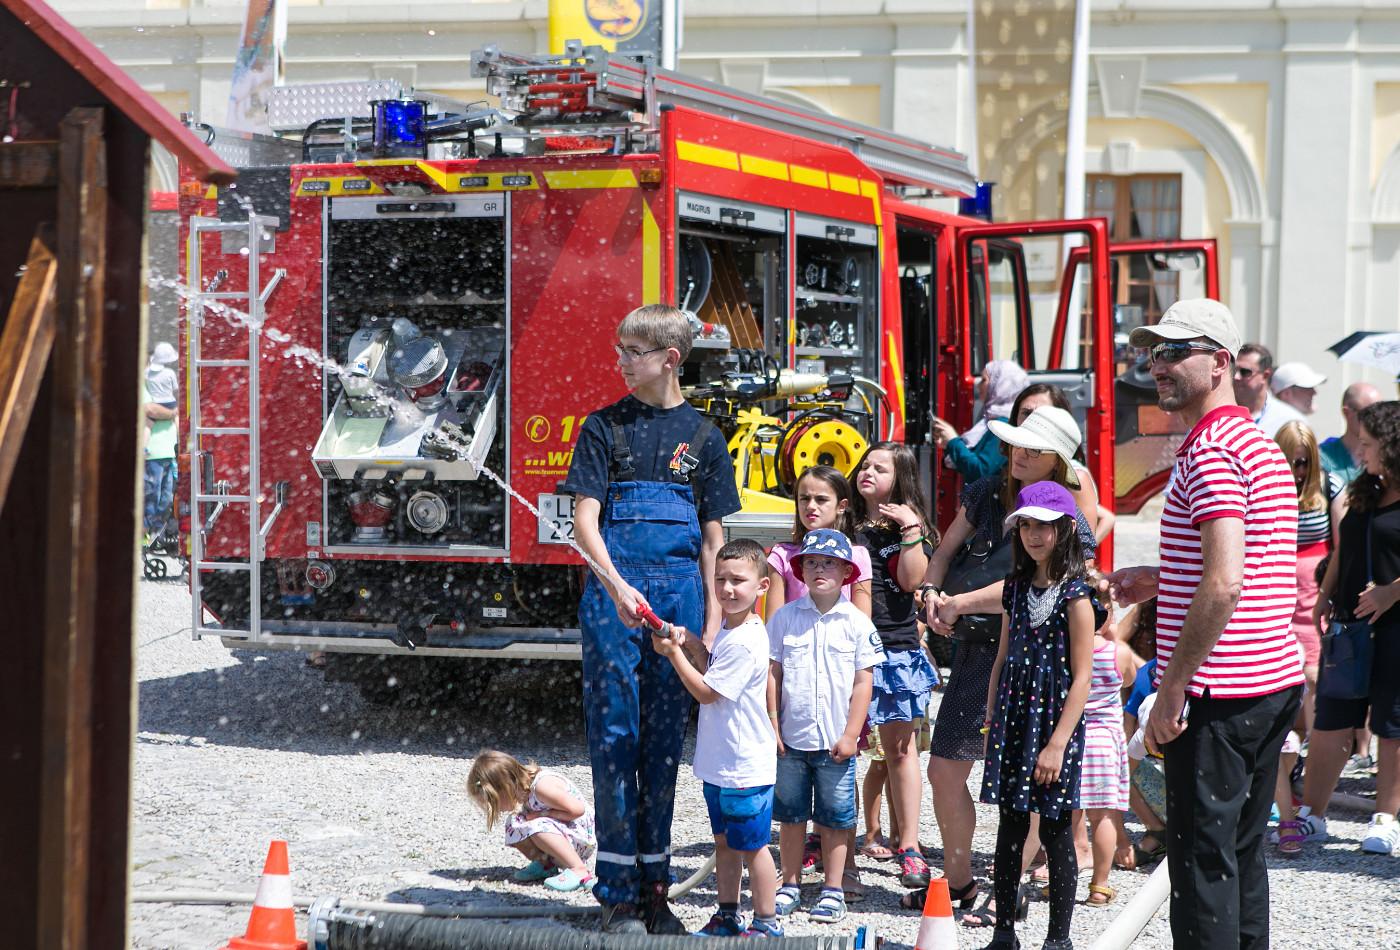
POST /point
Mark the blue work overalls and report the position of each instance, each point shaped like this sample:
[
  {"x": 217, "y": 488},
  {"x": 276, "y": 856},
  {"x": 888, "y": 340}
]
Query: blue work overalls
[{"x": 635, "y": 706}]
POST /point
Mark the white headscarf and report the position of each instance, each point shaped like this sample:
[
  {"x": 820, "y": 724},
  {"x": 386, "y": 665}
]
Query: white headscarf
[{"x": 1005, "y": 380}]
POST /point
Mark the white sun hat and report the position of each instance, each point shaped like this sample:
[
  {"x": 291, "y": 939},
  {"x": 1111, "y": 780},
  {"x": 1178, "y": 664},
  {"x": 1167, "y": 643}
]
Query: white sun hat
[
  {"x": 1049, "y": 429},
  {"x": 164, "y": 353}
]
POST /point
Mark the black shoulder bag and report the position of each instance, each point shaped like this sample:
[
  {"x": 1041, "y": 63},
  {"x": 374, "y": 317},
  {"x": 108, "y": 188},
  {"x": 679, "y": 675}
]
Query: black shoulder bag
[
  {"x": 976, "y": 565},
  {"x": 1347, "y": 650}
]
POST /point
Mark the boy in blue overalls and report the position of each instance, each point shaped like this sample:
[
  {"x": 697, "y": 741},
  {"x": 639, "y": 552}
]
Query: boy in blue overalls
[{"x": 652, "y": 479}]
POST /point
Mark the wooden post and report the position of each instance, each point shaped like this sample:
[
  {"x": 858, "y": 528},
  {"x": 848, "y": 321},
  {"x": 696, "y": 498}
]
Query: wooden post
[
  {"x": 24, "y": 351},
  {"x": 71, "y": 582}
]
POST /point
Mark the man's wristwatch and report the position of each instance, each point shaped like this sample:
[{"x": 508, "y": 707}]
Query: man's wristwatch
[{"x": 925, "y": 588}]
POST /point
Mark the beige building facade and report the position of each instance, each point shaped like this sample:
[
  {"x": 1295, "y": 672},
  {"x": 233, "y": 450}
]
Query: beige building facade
[{"x": 1272, "y": 126}]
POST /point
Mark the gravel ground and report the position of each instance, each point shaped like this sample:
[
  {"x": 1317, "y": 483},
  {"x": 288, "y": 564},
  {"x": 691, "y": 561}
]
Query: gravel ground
[{"x": 235, "y": 748}]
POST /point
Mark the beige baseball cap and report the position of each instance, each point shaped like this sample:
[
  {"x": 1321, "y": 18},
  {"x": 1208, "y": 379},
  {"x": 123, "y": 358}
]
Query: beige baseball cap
[{"x": 1189, "y": 319}]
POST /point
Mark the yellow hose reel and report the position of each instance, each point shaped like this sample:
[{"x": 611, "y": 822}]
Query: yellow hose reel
[{"x": 822, "y": 441}]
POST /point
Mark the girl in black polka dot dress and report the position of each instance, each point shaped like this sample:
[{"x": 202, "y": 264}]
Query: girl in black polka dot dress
[{"x": 1035, "y": 704}]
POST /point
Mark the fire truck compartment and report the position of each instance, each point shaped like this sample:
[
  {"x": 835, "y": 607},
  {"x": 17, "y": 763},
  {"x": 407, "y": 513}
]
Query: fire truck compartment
[
  {"x": 506, "y": 610},
  {"x": 416, "y": 317}
]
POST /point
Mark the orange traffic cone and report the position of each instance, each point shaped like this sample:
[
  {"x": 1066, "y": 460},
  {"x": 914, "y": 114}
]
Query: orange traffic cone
[
  {"x": 936, "y": 929},
  {"x": 272, "y": 925}
]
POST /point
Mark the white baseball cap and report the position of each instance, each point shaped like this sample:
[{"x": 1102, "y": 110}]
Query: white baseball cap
[
  {"x": 1049, "y": 429},
  {"x": 1296, "y": 374},
  {"x": 1189, "y": 319}
]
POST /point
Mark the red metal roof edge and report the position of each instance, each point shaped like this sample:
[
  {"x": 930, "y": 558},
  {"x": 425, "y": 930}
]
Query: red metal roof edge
[{"x": 118, "y": 86}]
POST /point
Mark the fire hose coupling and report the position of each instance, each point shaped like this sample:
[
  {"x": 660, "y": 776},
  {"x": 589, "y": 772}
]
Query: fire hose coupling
[
  {"x": 661, "y": 628},
  {"x": 447, "y": 441}
]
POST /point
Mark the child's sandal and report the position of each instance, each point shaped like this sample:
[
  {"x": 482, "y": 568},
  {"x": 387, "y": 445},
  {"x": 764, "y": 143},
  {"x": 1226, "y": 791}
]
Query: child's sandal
[
  {"x": 1290, "y": 838},
  {"x": 571, "y": 880},
  {"x": 788, "y": 899},
  {"x": 830, "y": 909},
  {"x": 1100, "y": 895},
  {"x": 532, "y": 872}
]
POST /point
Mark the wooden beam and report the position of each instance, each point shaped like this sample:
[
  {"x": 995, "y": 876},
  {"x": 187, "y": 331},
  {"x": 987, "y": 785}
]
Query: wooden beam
[
  {"x": 25, "y": 343},
  {"x": 71, "y": 581},
  {"x": 28, "y": 164}
]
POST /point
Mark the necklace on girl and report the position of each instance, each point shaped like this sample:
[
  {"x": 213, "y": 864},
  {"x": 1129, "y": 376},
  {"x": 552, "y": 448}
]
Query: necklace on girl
[{"x": 1040, "y": 603}]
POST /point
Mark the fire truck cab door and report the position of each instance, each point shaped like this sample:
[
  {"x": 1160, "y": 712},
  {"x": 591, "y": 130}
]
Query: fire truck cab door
[
  {"x": 1145, "y": 278},
  {"x": 1047, "y": 297}
]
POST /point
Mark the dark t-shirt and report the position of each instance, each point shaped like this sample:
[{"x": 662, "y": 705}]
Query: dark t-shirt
[
  {"x": 658, "y": 437},
  {"x": 985, "y": 512},
  {"x": 1385, "y": 559},
  {"x": 891, "y": 608}
]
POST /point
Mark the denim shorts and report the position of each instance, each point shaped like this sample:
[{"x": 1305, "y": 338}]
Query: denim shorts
[
  {"x": 812, "y": 785},
  {"x": 743, "y": 815}
]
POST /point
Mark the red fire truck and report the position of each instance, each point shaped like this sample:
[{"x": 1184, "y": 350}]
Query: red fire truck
[{"x": 393, "y": 318}]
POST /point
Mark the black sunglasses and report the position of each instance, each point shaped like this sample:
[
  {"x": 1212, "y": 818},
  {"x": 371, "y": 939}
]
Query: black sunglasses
[{"x": 1175, "y": 352}]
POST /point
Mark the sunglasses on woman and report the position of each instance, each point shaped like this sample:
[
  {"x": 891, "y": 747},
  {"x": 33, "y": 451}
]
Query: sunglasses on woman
[{"x": 1177, "y": 351}]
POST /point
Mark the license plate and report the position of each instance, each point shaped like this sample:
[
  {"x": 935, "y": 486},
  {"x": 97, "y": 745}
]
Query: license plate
[{"x": 560, "y": 510}]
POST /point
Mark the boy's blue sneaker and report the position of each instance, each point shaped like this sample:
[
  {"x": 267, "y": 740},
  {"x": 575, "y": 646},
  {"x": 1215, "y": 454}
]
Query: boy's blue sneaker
[
  {"x": 763, "y": 928},
  {"x": 722, "y": 925}
]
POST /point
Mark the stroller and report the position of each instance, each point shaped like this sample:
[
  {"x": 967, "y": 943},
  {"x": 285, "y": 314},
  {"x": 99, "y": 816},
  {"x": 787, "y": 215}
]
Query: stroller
[{"x": 164, "y": 543}]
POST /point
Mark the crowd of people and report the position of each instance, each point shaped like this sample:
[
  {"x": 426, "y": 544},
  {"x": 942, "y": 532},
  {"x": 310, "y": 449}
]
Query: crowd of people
[{"x": 1175, "y": 692}]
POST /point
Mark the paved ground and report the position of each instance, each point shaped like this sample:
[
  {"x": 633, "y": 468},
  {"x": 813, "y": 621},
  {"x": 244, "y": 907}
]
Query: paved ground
[{"x": 235, "y": 748}]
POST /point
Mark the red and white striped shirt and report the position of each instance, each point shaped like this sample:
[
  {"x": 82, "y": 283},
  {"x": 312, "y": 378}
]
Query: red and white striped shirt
[{"x": 1228, "y": 468}]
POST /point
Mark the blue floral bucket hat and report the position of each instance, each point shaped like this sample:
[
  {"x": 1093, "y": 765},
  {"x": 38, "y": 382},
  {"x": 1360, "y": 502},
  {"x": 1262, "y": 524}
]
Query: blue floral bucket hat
[{"x": 828, "y": 542}]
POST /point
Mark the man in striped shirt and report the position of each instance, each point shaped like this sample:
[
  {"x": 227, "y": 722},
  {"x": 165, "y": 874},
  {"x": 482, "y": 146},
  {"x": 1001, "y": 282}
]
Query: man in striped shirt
[{"x": 1229, "y": 670}]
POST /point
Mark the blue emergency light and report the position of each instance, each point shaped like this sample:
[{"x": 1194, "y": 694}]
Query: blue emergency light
[
  {"x": 980, "y": 204},
  {"x": 398, "y": 128}
]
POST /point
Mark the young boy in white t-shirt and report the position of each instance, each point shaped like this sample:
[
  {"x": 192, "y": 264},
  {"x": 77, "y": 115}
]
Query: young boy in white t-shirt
[
  {"x": 823, "y": 650},
  {"x": 735, "y": 746}
]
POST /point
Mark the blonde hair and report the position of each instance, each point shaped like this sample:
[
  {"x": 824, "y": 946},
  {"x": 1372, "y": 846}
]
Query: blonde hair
[
  {"x": 659, "y": 325},
  {"x": 1295, "y": 437},
  {"x": 496, "y": 776}
]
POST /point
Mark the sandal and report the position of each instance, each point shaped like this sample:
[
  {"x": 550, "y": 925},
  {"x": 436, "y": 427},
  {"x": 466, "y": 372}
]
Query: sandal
[
  {"x": 986, "y": 915},
  {"x": 1290, "y": 838},
  {"x": 532, "y": 872},
  {"x": 876, "y": 850},
  {"x": 1152, "y": 855},
  {"x": 852, "y": 886},
  {"x": 812, "y": 855},
  {"x": 571, "y": 880},
  {"x": 829, "y": 909},
  {"x": 788, "y": 899},
  {"x": 1100, "y": 895},
  {"x": 913, "y": 869}
]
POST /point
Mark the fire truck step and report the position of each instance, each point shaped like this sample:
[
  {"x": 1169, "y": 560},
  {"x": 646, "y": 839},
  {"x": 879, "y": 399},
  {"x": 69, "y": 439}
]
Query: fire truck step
[
  {"x": 221, "y": 632},
  {"x": 223, "y": 430},
  {"x": 215, "y": 499},
  {"x": 224, "y": 566},
  {"x": 242, "y": 363}
]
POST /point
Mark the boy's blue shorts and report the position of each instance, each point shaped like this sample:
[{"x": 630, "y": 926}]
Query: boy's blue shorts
[
  {"x": 812, "y": 785},
  {"x": 743, "y": 815}
]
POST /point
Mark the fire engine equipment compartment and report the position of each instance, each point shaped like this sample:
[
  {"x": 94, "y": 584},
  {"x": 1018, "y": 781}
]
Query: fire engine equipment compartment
[{"x": 416, "y": 313}]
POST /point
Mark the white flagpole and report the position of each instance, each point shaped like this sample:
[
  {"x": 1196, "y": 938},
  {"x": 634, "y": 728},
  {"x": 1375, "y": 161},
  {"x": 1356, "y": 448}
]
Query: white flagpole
[{"x": 1075, "y": 132}]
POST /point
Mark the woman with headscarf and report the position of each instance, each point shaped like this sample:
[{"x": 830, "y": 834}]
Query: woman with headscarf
[{"x": 972, "y": 455}]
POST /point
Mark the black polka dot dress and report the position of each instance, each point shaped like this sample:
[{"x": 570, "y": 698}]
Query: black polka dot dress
[{"x": 1030, "y": 697}]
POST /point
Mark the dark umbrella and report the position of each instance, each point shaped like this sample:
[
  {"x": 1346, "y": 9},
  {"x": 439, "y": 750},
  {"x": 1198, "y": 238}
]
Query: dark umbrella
[{"x": 1372, "y": 347}]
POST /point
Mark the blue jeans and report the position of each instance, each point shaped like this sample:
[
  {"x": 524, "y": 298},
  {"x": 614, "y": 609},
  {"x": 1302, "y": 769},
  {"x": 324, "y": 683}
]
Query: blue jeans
[
  {"x": 159, "y": 485},
  {"x": 813, "y": 785}
]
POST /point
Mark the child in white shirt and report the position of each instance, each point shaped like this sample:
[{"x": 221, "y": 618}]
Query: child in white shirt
[
  {"x": 735, "y": 747},
  {"x": 823, "y": 651}
]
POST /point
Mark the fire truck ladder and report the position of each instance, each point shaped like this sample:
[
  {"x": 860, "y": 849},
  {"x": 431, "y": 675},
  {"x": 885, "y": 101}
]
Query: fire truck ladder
[
  {"x": 231, "y": 304},
  {"x": 588, "y": 86}
]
